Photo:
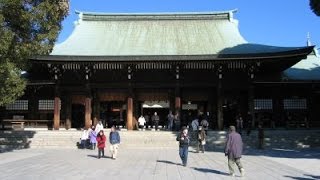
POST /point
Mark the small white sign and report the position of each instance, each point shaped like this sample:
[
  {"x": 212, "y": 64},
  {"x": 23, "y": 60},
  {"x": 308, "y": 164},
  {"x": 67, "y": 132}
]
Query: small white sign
[
  {"x": 156, "y": 104},
  {"x": 189, "y": 106}
]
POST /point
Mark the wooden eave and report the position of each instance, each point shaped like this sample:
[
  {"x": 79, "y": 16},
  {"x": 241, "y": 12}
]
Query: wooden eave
[{"x": 298, "y": 53}]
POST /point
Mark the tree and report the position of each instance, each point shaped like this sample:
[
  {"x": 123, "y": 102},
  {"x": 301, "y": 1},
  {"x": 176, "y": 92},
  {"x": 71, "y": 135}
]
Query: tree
[
  {"x": 315, "y": 6},
  {"x": 10, "y": 82},
  {"x": 27, "y": 28}
]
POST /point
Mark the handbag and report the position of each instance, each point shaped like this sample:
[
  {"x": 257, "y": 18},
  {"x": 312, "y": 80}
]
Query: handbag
[{"x": 203, "y": 142}]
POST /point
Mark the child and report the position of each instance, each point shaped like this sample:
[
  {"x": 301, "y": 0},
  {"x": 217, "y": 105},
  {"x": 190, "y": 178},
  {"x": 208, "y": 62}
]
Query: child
[
  {"x": 101, "y": 139},
  {"x": 114, "y": 139},
  {"x": 93, "y": 138},
  {"x": 184, "y": 141}
]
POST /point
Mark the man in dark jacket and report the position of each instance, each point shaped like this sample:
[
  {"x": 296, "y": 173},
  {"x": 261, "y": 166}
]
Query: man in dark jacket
[
  {"x": 155, "y": 119},
  {"x": 233, "y": 150},
  {"x": 184, "y": 141},
  {"x": 114, "y": 139}
]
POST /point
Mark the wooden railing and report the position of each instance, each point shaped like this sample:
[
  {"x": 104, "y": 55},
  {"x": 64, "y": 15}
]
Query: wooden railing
[{"x": 22, "y": 123}]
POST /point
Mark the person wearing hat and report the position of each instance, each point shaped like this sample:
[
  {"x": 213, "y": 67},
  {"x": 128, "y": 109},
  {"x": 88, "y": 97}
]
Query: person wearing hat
[{"x": 233, "y": 149}]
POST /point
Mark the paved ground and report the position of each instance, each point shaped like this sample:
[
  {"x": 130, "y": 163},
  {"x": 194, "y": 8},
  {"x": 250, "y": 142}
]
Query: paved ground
[{"x": 159, "y": 164}]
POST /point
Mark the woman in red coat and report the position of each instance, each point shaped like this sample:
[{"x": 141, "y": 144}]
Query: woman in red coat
[{"x": 101, "y": 140}]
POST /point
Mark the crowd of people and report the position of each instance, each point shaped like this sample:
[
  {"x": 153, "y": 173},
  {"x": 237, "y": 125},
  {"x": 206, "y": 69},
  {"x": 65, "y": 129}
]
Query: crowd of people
[
  {"x": 146, "y": 121},
  {"x": 233, "y": 147},
  {"x": 95, "y": 137}
]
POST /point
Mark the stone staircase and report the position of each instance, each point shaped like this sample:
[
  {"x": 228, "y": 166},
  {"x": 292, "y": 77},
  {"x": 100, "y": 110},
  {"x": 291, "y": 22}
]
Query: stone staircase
[
  {"x": 286, "y": 139},
  {"x": 70, "y": 138}
]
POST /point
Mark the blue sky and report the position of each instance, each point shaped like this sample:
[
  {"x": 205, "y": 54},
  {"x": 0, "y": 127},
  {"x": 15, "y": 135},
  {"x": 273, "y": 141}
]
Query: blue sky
[{"x": 272, "y": 22}]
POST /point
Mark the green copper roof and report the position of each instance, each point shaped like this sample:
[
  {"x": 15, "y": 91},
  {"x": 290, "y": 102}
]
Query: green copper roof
[
  {"x": 159, "y": 34},
  {"x": 98, "y": 34},
  {"x": 306, "y": 69}
]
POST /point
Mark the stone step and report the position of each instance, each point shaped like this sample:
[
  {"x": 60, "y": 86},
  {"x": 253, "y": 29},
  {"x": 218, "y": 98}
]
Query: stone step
[{"x": 158, "y": 139}]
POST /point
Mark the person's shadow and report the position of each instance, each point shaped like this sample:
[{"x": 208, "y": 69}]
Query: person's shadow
[
  {"x": 206, "y": 170},
  {"x": 96, "y": 156},
  {"x": 167, "y": 162}
]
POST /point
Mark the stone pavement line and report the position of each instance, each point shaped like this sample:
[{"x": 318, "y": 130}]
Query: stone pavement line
[{"x": 137, "y": 164}]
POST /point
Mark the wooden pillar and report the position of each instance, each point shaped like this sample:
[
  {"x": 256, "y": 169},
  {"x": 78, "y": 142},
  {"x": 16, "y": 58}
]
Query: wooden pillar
[
  {"x": 56, "y": 115},
  {"x": 177, "y": 112},
  {"x": 68, "y": 107},
  {"x": 88, "y": 111},
  {"x": 177, "y": 100},
  {"x": 251, "y": 104},
  {"x": 130, "y": 113},
  {"x": 177, "y": 103},
  {"x": 220, "y": 100},
  {"x": 130, "y": 100},
  {"x": 96, "y": 109},
  {"x": 211, "y": 111}
]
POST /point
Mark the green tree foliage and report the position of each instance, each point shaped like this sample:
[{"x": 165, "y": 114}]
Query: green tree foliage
[
  {"x": 315, "y": 6},
  {"x": 27, "y": 28},
  {"x": 10, "y": 82}
]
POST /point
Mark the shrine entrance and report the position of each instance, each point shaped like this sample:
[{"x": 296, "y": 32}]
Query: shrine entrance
[
  {"x": 162, "y": 109},
  {"x": 77, "y": 116}
]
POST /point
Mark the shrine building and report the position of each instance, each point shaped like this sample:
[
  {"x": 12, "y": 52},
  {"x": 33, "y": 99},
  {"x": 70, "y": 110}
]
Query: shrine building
[{"x": 116, "y": 66}]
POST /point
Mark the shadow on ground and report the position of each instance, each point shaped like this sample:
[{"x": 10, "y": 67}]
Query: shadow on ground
[
  {"x": 14, "y": 140},
  {"x": 308, "y": 177},
  {"x": 168, "y": 162},
  {"x": 278, "y": 143},
  {"x": 96, "y": 156},
  {"x": 205, "y": 170}
]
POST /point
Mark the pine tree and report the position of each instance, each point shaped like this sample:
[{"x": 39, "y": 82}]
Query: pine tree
[{"x": 315, "y": 6}]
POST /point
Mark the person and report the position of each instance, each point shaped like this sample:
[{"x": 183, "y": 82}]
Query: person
[
  {"x": 93, "y": 138},
  {"x": 205, "y": 124},
  {"x": 99, "y": 127},
  {"x": 233, "y": 149},
  {"x": 195, "y": 126},
  {"x": 155, "y": 118},
  {"x": 240, "y": 124},
  {"x": 141, "y": 122},
  {"x": 260, "y": 136},
  {"x": 170, "y": 118},
  {"x": 114, "y": 139},
  {"x": 249, "y": 123},
  {"x": 177, "y": 121},
  {"x": 84, "y": 138},
  {"x": 101, "y": 140},
  {"x": 201, "y": 139},
  {"x": 184, "y": 142},
  {"x": 147, "y": 118}
]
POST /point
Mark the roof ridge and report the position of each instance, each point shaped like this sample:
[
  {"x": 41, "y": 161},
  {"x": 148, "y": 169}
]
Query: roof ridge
[
  {"x": 98, "y": 16},
  {"x": 155, "y": 13}
]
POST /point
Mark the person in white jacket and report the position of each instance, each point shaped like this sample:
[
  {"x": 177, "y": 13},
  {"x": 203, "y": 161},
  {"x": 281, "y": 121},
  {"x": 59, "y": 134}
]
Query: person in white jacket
[
  {"x": 99, "y": 127},
  {"x": 84, "y": 138},
  {"x": 141, "y": 121}
]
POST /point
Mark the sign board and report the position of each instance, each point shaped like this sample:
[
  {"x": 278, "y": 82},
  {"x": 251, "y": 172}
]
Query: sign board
[
  {"x": 156, "y": 104},
  {"x": 189, "y": 106},
  {"x": 17, "y": 117}
]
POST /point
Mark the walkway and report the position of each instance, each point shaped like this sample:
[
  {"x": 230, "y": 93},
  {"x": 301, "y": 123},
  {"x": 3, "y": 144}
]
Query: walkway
[{"x": 134, "y": 164}]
